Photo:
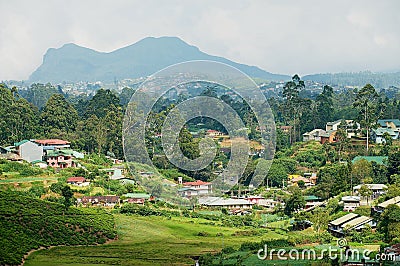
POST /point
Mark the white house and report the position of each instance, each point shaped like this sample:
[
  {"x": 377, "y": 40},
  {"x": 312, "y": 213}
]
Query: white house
[
  {"x": 313, "y": 135},
  {"x": 29, "y": 151},
  {"x": 377, "y": 189},
  {"x": 389, "y": 123},
  {"x": 115, "y": 173},
  {"x": 377, "y": 134},
  {"x": 202, "y": 188},
  {"x": 213, "y": 133},
  {"x": 78, "y": 181},
  {"x": 269, "y": 203},
  {"x": 188, "y": 192},
  {"x": 351, "y": 127},
  {"x": 350, "y": 203}
]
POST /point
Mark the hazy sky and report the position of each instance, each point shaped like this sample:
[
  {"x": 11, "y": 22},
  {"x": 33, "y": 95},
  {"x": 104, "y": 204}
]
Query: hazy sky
[{"x": 279, "y": 36}]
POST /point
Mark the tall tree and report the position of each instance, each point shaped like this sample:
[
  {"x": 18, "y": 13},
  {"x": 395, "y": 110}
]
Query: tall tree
[
  {"x": 342, "y": 140},
  {"x": 290, "y": 93},
  {"x": 332, "y": 179},
  {"x": 361, "y": 171},
  {"x": 18, "y": 118},
  {"x": 365, "y": 192},
  {"x": 68, "y": 195},
  {"x": 100, "y": 103},
  {"x": 324, "y": 106},
  {"x": 58, "y": 116},
  {"x": 113, "y": 123},
  {"x": 125, "y": 95},
  {"x": 389, "y": 223},
  {"x": 366, "y": 104},
  {"x": 295, "y": 202},
  {"x": 320, "y": 219},
  {"x": 387, "y": 144},
  {"x": 393, "y": 165},
  {"x": 38, "y": 94}
]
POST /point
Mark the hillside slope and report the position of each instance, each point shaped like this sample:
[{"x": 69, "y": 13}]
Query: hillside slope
[{"x": 27, "y": 223}]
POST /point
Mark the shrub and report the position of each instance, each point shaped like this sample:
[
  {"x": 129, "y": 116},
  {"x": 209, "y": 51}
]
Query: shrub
[
  {"x": 228, "y": 250},
  {"x": 203, "y": 233},
  {"x": 206, "y": 259}
]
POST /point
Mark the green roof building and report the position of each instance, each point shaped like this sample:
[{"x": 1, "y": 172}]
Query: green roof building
[{"x": 377, "y": 159}]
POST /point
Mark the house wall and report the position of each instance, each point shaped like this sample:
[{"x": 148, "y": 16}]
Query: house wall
[
  {"x": 332, "y": 127},
  {"x": 136, "y": 200},
  {"x": 380, "y": 139},
  {"x": 202, "y": 189},
  {"x": 60, "y": 161},
  {"x": 350, "y": 206},
  {"x": 244, "y": 206},
  {"x": 30, "y": 152},
  {"x": 190, "y": 193}
]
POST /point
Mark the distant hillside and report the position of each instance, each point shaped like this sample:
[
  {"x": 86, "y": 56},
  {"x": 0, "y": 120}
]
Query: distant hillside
[
  {"x": 359, "y": 79},
  {"x": 72, "y": 63}
]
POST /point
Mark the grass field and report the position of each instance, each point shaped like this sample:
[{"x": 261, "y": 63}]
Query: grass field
[
  {"x": 150, "y": 241},
  {"x": 27, "y": 179}
]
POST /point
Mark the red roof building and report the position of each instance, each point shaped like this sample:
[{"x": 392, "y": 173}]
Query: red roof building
[
  {"x": 196, "y": 183},
  {"x": 51, "y": 142},
  {"x": 201, "y": 187},
  {"x": 76, "y": 180}
]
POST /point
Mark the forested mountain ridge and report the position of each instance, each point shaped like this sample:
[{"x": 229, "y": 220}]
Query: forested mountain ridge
[{"x": 358, "y": 79}]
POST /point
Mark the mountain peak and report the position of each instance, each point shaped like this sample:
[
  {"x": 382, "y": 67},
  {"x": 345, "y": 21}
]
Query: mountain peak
[
  {"x": 70, "y": 45},
  {"x": 72, "y": 63}
]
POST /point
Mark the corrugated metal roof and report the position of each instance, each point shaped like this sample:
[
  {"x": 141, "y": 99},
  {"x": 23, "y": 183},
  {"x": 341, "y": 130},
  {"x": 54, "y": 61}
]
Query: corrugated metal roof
[
  {"x": 351, "y": 198},
  {"x": 357, "y": 221},
  {"x": 380, "y": 131},
  {"x": 372, "y": 186},
  {"x": 394, "y": 200},
  {"x": 229, "y": 202},
  {"x": 137, "y": 195},
  {"x": 344, "y": 219},
  {"x": 218, "y": 201}
]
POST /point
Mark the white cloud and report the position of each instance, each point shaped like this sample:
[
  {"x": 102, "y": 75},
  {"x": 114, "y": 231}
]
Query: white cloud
[{"x": 278, "y": 36}]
